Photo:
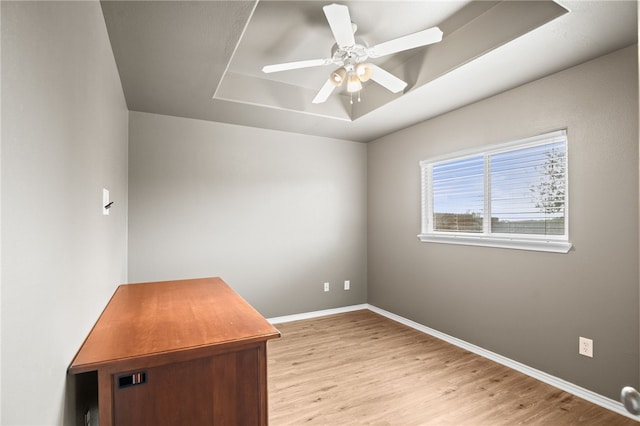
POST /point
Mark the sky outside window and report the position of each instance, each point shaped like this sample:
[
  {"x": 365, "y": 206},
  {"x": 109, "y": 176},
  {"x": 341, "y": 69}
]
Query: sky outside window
[
  {"x": 458, "y": 195},
  {"x": 527, "y": 190}
]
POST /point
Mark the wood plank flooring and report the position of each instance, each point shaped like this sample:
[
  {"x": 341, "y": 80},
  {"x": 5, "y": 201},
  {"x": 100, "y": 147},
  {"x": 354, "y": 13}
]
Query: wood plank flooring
[{"x": 360, "y": 368}]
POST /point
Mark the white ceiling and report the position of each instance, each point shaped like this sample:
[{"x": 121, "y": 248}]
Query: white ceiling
[{"x": 203, "y": 59}]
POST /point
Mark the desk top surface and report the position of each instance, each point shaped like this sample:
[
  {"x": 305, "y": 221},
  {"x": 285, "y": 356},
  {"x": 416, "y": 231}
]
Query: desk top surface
[{"x": 163, "y": 317}]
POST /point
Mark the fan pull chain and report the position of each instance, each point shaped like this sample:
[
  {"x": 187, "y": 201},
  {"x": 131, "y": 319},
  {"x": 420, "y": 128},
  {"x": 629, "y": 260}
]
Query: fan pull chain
[{"x": 351, "y": 100}]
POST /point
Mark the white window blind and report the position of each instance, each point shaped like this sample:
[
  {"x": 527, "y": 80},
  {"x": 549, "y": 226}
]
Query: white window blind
[
  {"x": 512, "y": 195},
  {"x": 458, "y": 195}
]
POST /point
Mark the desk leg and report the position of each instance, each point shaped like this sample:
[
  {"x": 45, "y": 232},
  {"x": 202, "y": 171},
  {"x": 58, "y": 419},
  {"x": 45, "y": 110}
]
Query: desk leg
[
  {"x": 262, "y": 383},
  {"x": 105, "y": 398}
]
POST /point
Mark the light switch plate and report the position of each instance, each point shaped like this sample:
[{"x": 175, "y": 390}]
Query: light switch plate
[{"x": 105, "y": 201}]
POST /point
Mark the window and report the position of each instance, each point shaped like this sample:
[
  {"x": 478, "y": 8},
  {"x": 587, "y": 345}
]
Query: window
[{"x": 512, "y": 195}]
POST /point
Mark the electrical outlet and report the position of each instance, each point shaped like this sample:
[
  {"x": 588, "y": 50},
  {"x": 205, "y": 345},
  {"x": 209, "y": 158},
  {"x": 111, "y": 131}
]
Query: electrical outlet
[
  {"x": 585, "y": 347},
  {"x": 347, "y": 284},
  {"x": 326, "y": 286}
]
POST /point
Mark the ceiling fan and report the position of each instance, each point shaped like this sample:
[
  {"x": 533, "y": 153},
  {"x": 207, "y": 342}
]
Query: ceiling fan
[{"x": 350, "y": 56}]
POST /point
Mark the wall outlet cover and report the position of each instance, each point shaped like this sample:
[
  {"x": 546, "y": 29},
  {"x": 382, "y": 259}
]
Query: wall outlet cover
[{"x": 585, "y": 347}]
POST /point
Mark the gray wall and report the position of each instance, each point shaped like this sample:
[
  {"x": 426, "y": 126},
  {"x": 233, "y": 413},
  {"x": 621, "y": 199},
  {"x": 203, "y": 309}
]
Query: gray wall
[
  {"x": 274, "y": 214},
  {"x": 64, "y": 138},
  {"x": 527, "y": 306}
]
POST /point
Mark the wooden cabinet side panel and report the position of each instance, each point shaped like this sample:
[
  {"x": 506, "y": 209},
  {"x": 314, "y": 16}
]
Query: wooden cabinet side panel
[
  {"x": 220, "y": 390},
  {"x": 238, "y": 401}
]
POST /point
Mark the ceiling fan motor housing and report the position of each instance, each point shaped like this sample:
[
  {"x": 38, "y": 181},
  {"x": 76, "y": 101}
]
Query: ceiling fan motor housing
[{"x": 349, "y": 56}]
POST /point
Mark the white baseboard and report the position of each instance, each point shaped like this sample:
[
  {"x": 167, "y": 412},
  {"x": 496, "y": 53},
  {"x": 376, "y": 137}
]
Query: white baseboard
[
  {"x": 561, "y": 384},
  {"x": 315, "y": 314}
]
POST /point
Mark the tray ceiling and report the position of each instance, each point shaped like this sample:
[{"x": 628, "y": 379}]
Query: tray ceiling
[{"x": 203, "y": 59}]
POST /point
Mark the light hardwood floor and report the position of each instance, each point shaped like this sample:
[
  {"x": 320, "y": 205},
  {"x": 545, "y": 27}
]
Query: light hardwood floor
[{"x": 360, "y": 368}]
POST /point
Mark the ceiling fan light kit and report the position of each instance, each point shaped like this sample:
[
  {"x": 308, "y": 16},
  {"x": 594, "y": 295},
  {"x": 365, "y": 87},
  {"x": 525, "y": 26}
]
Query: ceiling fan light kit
[
  {"x": 338, "y": 76},
  {"x": 354, "y": 84},
  {"x": 354, "y": 76},
  {"x": 350, "y": 56},
  {"x": 364, "y": 71}
]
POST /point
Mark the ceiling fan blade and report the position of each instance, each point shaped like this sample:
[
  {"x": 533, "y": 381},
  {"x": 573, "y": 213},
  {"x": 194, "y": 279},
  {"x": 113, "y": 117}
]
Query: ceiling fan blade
[
  {"x": 340, "y": 23},
  {"x": 421, "y": 38},
  {"x": 295, "y": 65},
  {"x": 386, "y": 79},
  {"x": 324, "y": 92}
]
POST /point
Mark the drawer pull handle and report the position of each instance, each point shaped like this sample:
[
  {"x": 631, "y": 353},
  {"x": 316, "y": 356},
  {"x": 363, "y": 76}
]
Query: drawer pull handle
[{"x": 132, "y": 379}]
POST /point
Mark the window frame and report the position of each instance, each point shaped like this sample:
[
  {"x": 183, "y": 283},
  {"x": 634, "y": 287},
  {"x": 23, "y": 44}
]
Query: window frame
[{"x": 535, "y": 242}]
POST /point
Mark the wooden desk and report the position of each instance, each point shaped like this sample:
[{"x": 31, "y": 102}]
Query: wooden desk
[{"x": 188, "y": 352}]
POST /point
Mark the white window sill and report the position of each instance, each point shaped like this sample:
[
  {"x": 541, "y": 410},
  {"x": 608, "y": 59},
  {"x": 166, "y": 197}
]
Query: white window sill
[{"x": 552, "y": 246}]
